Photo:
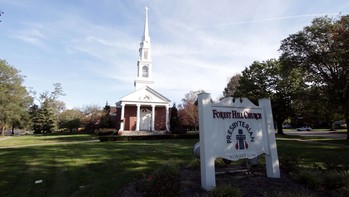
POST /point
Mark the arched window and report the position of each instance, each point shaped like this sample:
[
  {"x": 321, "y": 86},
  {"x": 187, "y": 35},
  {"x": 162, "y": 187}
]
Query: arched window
[{"x": 145, "y": 71}]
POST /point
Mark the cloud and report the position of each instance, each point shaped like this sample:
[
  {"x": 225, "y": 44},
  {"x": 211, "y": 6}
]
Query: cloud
[
  {"x": 278, "y": 19},
  {"x": 32, "y": 35},
  {"x": 196, "y": 44}
]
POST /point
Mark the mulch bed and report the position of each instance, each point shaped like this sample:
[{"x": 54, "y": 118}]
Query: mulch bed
[{"x": 251, "y": 183}]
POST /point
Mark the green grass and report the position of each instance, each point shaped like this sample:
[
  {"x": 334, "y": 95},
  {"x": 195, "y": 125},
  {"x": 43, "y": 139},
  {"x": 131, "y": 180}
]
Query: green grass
[
  {"x": 82, "y": 169},
  {"x": 313, "y": 153},
  {"x": 25, "y": 140},
  {"x": 101, "y": 169}
]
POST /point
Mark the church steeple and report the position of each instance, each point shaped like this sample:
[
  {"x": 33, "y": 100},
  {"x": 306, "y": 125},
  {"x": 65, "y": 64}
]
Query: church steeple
[
  {"x": 144, "y": 64},
  {"x": 146, "y": 29}
]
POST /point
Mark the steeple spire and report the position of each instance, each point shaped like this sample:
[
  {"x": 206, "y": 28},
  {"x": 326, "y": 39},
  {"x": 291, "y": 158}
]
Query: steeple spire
[
  {"x": 144, "y": 64},
  {"x": 146, "y": 29}
]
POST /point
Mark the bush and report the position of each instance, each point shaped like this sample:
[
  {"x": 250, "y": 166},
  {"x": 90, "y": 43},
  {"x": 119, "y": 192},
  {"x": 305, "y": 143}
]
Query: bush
[
  {"x": 104, "y": 132},
  {"x": 291, "y": 193},
  {"x": 163, "y": 182},
  {"x": 311, "y": 180},
  {"x": 341, "y": 192},
  {"x": 334, "y": 180},
  {"x": 226, "y": 190},
  {"x": 290, "y": 164},
  {"x": 179, "y": 130},
  {"x": 331, "y": 181},
  {"x": 194, "y": 164}
]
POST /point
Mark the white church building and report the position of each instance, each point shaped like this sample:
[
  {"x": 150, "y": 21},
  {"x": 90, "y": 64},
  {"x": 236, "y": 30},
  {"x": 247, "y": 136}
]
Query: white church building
[{"x": 145, "y": 109}]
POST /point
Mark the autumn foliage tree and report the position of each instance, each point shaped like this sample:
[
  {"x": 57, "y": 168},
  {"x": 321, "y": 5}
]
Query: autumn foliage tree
[
  {"x": 232, "y": 86},
  {"x": 188, "y": 111},
  {"x": 92, "y": 117}
]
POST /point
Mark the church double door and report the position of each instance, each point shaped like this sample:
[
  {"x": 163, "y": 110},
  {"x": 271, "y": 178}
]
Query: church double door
[{"x": 145, "y": 120}]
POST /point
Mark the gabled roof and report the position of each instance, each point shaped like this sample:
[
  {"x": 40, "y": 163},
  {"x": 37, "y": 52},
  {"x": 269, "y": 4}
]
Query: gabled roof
[{"x": 145, "y": 95}]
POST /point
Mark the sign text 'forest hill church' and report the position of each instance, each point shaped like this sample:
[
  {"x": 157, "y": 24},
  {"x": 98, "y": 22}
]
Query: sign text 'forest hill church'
[{"x": 236, "y": 115}]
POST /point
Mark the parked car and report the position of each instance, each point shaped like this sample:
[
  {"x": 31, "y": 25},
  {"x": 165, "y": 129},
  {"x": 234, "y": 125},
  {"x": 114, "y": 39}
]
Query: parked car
[
  {"x": 304, "y": 128},
  {"x": 286, "y": 126}
]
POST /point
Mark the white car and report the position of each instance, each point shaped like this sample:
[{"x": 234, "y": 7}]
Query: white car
[{"x": 304, "y": 128}]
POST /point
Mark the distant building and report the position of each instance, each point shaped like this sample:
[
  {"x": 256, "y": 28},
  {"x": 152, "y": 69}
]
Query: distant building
[{"x": 144, "y": 109}]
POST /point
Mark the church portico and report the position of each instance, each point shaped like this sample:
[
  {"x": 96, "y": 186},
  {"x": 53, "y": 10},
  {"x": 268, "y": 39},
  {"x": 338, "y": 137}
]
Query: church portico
[{"x": 144, "y": 117}]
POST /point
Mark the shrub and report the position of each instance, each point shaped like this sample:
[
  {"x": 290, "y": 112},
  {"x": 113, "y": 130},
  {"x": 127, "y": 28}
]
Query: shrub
[
  {"x": 334, "y": 180},
  {"x": 104, "y": 132},
  {"x": 163, "y": 182},
  {"x": 341, "y": 192},
  {"x": 291, "y": 193},
  {"x": 179, "y": 130},
  {"x": 308, "y": 178},
  {"x": 226, "y": 190},
  {"x": 194, "y": 164},
  {"x": 290, "y": 164}
]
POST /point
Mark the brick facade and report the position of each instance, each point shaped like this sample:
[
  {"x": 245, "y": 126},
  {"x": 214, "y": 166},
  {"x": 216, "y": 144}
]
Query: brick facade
[{"x": 130, "y": 117}]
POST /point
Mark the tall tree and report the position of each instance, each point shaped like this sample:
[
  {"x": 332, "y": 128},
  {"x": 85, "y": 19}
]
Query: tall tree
[
  {"x": 14, "y": 98},
  {"x": 174, "y": 121},
  {"x": 92, "y": 117},
  {"x": 37, "y": 118},
  {"x": 322, "y": 50},
  {"x": 188, "y": 112},
  {"x": 269, "y": 80},
  {"x": 47, "y": 114},
  {"x": 71, "y": 119},
  {"x": 106, "y": 120},
  {"x": 232, "y": 86}
]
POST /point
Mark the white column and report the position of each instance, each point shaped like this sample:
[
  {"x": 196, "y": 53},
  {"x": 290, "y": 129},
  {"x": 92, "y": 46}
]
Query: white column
[
  {"x": 152, "y": 117},
  {"x": 167, "y": 119},
  {"x": 122, "y": 123},
  {"x": 138, "y": 116}
]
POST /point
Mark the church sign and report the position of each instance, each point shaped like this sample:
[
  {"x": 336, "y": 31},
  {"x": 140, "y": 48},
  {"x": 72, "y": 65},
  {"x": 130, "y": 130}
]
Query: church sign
[{"x": 235, "y": 129}]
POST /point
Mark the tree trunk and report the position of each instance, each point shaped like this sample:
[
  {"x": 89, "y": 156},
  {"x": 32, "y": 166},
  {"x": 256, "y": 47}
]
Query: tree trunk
[
  {"x": 3, "y": 130},
  {"x": 347, "y": 121},
  {"x": 279, "y": 127}
]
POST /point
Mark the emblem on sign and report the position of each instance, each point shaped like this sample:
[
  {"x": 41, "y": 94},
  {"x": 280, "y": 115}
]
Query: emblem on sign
[{"x": 241, "y": 141}]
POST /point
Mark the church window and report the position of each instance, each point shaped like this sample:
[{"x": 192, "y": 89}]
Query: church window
[
  {"x": 145, "y": 71},
  {"x": 145, "y": 54}
]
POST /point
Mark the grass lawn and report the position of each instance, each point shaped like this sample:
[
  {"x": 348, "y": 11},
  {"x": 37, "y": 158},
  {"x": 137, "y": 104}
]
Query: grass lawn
[
  {"x": 100, "y": 169},
  {"x": 25, "y": 140},
  {"x": 81, "y": 169}
]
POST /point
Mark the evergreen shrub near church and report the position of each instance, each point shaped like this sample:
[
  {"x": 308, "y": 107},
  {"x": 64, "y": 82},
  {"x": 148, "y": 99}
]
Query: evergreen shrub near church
[{"x": 106, "y": 132}]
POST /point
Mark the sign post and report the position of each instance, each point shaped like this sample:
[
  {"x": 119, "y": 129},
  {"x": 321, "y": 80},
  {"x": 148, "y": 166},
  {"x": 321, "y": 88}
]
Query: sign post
[{"x": 235, "y": 129}]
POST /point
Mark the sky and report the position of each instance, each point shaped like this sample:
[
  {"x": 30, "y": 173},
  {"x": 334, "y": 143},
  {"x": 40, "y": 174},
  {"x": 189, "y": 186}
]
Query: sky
[{"x": 91, "y": 47}]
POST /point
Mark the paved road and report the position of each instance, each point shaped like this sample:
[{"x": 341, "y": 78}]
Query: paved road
[{"x": 327, "y": 134}]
